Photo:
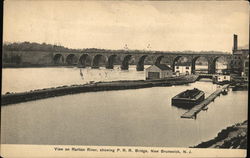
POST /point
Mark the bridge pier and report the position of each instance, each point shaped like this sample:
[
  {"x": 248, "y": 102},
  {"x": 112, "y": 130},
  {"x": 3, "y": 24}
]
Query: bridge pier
[
  {"x": 124, "y": 67},
  {"x": 173, "y": 67},
  {"x": 211, "y": 68},
  {"x": 193, "y": 68},
  {"x": 109, "y": 66},
  {"x": 81, "y": 65},
  {"x": 139, "y": 67}
]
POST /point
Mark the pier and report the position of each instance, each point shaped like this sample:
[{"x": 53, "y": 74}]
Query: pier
[
  {"x": 13, "y": 98},
  {"x": 197, "y": 108}
]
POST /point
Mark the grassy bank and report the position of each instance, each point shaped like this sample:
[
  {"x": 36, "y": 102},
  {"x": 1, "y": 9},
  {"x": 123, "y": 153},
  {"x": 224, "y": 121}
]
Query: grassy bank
[{"x": 233, "y": 137}]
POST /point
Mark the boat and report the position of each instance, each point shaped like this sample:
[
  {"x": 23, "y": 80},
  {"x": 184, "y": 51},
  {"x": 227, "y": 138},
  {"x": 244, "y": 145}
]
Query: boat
[{"x": 188, "y": 98}]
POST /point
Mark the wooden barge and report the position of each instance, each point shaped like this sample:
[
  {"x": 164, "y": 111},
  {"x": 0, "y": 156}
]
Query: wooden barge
[{"x": 188, "y": 98}]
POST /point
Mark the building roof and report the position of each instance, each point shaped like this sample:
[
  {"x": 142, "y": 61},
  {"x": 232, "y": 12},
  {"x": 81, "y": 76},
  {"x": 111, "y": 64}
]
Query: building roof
[
  {"x": 163, "y": 67},
  {"x": 183, "y": 64}
]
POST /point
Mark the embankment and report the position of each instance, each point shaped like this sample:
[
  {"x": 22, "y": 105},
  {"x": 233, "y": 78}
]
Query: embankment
[
  {"x": 11, "y": 98},
  {"x": 233, "y": 137}
]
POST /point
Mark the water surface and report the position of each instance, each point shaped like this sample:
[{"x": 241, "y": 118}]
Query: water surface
[
  {"x": 140, "y": 117},
  {"x": 26, "y": 79}
]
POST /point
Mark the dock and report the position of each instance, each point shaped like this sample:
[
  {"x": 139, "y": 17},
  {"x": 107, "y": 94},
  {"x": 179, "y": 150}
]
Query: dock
[{"x": 197, "y": 108}]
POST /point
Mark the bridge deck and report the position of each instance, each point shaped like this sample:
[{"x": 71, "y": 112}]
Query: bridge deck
[{"x": 197, "y": 108}]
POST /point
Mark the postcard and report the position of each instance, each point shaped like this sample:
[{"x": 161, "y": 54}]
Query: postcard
[{"x": 124, "y": 78}]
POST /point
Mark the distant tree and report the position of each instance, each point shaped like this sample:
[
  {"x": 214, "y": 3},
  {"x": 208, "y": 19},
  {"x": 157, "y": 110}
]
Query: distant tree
[
  {"x": 27, "y": 46},
  {"x": 15, "y": 59}
]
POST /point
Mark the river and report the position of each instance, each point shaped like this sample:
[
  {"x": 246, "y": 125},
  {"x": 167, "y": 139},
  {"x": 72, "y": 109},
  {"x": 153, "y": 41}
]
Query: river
[
  {"x": 137, "y": 117},
  {"x": 26, "y": 79}
]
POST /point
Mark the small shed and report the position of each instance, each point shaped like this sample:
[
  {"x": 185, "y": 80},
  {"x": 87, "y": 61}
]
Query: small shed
[
  {"x": 158, "y": 71},
  {"x": 221, "y": 78}
]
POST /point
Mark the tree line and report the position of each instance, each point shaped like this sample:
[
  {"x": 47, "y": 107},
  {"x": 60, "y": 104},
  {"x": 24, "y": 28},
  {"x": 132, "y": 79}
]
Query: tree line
[{"x": 33, "y": 46}]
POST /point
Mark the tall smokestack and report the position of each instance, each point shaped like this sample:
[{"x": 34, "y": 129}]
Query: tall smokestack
[{"x": 235, "y": 42}]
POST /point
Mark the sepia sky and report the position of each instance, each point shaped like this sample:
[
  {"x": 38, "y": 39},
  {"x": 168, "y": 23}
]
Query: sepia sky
[{"x": 168, "y": 26}]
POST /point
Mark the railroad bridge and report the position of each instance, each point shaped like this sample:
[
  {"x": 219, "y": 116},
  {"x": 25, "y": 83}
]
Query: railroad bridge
[{"x": 126, "y": 58}]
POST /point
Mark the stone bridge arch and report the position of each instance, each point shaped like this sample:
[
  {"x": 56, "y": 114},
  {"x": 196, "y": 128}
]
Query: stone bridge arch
[
  {"x": 99, "y": 60},
  {"x": 158, "y": 59},
  {"x": 176, "y": 58},
  {"x": 213, "y": 60},
  {"x": 84, "y": 60},
  {"x": 140, "y": 63},
  {"x": 111, "y": 61},
  {"x": 125, "y": 62},
  {"x": 58, "y": 59},
  {"x": 71, "y": 59},
  {"x": 193, "y": 63}
]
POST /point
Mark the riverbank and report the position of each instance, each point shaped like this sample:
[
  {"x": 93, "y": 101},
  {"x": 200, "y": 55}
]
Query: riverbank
[
  {"x": 233, "y": 137},
  {"x": 12, "y": 98}
]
